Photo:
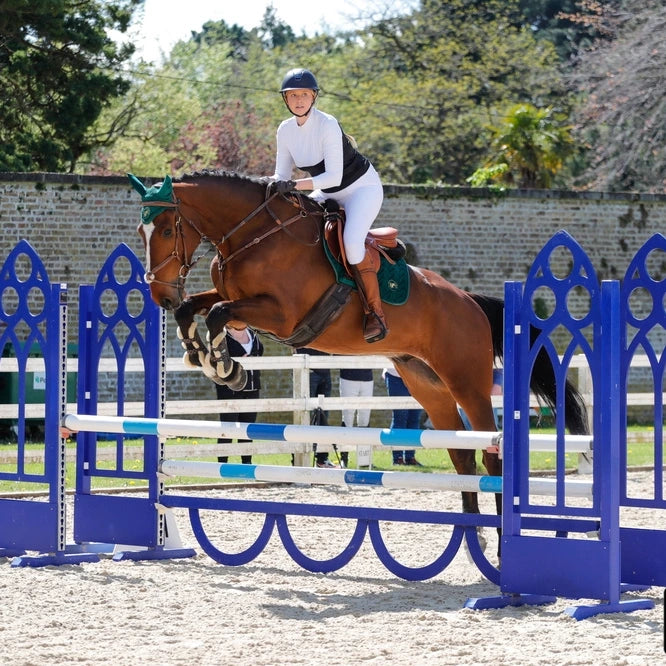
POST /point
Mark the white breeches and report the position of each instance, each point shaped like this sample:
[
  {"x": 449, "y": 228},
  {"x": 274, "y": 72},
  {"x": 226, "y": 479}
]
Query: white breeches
[
  {"x": 362, "y": 201},
  {"x": 350, "y": 388}
]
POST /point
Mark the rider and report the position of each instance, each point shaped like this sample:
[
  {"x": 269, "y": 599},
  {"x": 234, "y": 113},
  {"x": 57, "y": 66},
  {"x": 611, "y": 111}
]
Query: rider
[{"x": 314, "y": 142}]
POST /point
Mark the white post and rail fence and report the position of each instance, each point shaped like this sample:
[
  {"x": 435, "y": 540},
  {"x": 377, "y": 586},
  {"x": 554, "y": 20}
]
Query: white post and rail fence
[{"x": 300, "y": 404}]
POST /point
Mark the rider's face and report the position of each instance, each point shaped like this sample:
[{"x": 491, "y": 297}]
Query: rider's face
[{"x": 300, "y": 100}]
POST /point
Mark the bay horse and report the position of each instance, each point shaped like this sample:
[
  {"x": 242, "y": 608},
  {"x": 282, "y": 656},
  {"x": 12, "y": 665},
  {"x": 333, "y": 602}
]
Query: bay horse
[{"x": 269, "y": 271}]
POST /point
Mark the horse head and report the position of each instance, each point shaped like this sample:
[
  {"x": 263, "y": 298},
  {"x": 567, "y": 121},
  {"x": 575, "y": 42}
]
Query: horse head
[
  {"x": 169, "y": 243},
  {"x": 233, "y": 213}
]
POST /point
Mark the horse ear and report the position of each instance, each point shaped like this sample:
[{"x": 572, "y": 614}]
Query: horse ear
[
  {"x": 137, "y": 184},
  {"x": 166, "y": 191}
]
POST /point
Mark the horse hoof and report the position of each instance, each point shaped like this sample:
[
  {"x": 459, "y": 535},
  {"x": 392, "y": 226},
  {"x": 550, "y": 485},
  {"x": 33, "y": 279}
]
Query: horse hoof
[
  {"x": 192, "y": 359},
  {"x": 237, "y": 379},
  {"x": 483, "y": 543}
]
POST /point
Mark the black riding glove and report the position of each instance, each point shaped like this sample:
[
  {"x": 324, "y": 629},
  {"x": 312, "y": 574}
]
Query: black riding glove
[{"x": 284, "y": 186}]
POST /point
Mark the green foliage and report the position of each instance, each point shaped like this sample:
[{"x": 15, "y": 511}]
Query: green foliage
[
  {"x": 571, "y": 25},
  {"x": 431, "y": 96},
  {"x": 198, "y": 110},
  {"x": 273, "y": 32},
  {"x": 58, "y": 70},
  {"x": 529, "y": 148},
  {"x": 481, "y": 177},
  {"x": 442, "y": 79},
  {"x": 417, "y": 92},
  {"x": 218, "y": 32}
]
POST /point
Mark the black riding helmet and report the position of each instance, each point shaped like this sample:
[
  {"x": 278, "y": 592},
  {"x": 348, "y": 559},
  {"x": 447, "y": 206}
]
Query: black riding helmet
[{"x": 296, "y": 79}]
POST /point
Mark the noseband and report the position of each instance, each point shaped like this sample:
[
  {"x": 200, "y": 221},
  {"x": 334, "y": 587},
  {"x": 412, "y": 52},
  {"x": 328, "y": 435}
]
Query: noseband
[
  {"x": 149, "y": 276},
  {"x": 185, "y": 267}
]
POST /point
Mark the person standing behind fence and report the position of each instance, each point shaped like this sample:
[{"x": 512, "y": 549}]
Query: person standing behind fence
[
  {"x": 355, "y": 383},
  {"x": 241, "y": 341},
  {"x": 320, "y": 384},
  {"x": 402, "y": 418}
]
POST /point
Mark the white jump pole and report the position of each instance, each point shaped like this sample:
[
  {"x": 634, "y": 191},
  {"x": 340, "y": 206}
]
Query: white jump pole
[
  {"x": 347, "y": 477},
  {"x": 398, "y": 438}
]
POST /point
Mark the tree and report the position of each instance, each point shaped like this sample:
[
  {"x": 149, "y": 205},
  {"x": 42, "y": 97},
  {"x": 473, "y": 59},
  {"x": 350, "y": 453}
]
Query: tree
[
  {"x": 529, "y": 148},
  {"x": 220, "y": 32},
  {"x": 198, "y": 110},
  {"x": 225, "y": 137},
  {"x": 571, "y": 25},
  {"x": 438, "y": 77},
  {"x": 419, "y": 91},
  {"x": 58, "y": 70},
  {"x": 622, "y": 115},
  {"x": 273, "y": 31}
]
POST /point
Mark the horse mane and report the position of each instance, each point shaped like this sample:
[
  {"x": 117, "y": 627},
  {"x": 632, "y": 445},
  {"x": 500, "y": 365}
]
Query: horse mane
[{"x": 217, "y": 173}]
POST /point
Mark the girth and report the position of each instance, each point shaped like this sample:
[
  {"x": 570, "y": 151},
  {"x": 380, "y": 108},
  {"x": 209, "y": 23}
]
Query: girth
[{"x": 323, "y": 313}]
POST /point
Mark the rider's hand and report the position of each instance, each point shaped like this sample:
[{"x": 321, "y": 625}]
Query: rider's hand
[{"x": 284, "y": 186}]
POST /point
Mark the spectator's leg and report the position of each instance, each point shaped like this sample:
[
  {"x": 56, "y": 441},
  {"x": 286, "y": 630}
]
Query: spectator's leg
[{"x": 395, "y": 386}]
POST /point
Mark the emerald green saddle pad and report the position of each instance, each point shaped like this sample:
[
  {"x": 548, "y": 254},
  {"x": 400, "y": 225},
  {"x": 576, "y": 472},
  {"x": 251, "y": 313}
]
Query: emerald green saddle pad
[{"x": 393, "y": 278}]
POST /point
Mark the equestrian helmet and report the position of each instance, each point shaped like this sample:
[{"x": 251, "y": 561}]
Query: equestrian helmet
[{"x": 299, "y": 78}]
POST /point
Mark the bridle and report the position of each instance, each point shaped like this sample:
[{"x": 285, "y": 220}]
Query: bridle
[{"x": 295, "y": 198}]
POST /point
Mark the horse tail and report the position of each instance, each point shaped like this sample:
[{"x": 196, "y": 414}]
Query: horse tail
[
  {"x": 542, "y": 382},
  {"x": 493, "y": 308}
]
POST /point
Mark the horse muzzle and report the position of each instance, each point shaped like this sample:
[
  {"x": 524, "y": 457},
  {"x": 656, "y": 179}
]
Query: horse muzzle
[
  {"x": 168, "y": 303},
  {"x": 170, "y": 300}
]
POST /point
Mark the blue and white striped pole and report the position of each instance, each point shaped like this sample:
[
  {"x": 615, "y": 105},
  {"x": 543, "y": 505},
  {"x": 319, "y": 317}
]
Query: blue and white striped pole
[
  {"x": 355, "y": 477},
  {"x": 398, "y": 438}
]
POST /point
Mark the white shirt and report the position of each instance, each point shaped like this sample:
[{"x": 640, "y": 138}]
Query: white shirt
[
  {"x": 319, "y": 138},
  {"x": 237, "y": 334}
]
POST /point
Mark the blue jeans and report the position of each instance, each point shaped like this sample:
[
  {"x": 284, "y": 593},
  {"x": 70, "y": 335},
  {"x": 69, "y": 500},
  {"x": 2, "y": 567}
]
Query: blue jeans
[{"x": 402, "y": 418}]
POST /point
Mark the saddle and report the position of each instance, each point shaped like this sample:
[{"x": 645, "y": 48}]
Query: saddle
[{"x": 379, "y": 242}]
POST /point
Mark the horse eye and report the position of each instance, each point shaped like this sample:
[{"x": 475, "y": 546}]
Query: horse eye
[{"x": 167, "y": 233}]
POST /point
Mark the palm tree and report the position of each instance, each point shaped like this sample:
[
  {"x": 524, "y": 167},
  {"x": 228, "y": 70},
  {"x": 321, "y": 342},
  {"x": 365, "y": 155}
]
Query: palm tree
[{"x": 529, "y": 148}]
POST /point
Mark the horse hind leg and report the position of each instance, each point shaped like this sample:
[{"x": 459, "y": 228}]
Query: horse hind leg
[
  {"x": 491, "y": 460},
  {"x": 435, "y": 397},
  {"x": 481, "y": 410},
  {"x": 441, "y": 407},
  {"x": 475, "y": 399}
]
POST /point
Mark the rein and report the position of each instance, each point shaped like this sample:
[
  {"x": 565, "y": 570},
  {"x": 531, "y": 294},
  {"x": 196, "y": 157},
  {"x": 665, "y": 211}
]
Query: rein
[
  {"x": 185, "y": 268},
  {"x": 281, "y": 226}
]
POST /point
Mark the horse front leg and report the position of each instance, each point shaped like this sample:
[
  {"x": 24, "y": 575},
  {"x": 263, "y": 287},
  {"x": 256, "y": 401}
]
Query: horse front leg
[
  {"x": 190, "y": 340},
  {"x": 196, "y": 351},
  {"x": 222, "y": 368},
  {"x": 464, "y": 462},
  {"x": 263, "y": 311}
]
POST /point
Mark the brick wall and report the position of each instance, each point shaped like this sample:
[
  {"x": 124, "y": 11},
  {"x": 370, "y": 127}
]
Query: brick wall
[{"x": 474, "y": 238}]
